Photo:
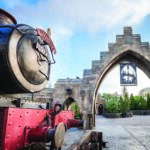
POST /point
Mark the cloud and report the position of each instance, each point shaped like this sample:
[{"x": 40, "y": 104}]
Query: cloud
[
  {"x": 89, "y": 15},
  {"x": 67, "y": 17},
  {"x": 61, "y": 34}
]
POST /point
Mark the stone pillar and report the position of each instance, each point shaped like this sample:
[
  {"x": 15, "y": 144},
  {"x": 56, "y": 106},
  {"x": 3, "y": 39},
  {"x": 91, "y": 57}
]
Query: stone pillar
[
  {"x": 127, "y": 31},
  {"x": 88, "y": 120},
  {"x": 82, "y": 94}
]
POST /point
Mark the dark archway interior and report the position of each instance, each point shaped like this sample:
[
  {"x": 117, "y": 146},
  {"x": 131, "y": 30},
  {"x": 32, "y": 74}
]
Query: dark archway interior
[
  {"x": 68, "y": 102},
  {"x": 100, "y": 109}
]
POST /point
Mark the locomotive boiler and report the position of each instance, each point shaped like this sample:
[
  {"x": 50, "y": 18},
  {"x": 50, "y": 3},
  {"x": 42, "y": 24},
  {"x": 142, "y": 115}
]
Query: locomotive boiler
[{"x": 26, "y": 55}]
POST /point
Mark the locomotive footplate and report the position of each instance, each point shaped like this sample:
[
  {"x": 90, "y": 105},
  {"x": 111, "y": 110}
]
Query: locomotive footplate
[
  {"x": 20, "y": 103},
  {"x": 21, "y": 127}
]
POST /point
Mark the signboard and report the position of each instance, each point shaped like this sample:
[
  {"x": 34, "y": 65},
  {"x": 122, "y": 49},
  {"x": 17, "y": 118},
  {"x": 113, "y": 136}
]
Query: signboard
[
  {"x": 45, "y": 37},
  {"x": 128, "y": 74}
]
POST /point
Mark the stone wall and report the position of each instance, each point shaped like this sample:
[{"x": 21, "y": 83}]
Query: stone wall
[{"x": 128, "y": 47}]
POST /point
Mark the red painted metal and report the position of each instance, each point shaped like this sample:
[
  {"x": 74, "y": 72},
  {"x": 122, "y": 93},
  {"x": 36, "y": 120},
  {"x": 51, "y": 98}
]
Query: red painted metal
[
  {"x": 45, "y": 37},
  {"x": 67, "y": 117},
  {"x": 63, "y": 116},
  {"x": 19, "y": 127},
  {"x": 38, "y": 134},
  {"x": 73, "y": 123},
  {"x": 16, "y": 125}
]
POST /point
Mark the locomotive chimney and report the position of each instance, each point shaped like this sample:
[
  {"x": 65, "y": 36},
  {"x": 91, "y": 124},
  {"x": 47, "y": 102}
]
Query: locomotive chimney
[{"x": 6, "y": 18}]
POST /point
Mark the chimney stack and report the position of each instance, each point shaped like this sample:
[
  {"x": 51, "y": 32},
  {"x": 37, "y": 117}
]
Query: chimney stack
[{"x": 6, "y": 18}]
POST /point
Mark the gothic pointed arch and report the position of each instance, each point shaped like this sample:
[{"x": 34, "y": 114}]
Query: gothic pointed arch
[
  {"x": 128, "y": 47},
  {"x": 127, "y": 55},
  {"x": 68, "y": 102}
]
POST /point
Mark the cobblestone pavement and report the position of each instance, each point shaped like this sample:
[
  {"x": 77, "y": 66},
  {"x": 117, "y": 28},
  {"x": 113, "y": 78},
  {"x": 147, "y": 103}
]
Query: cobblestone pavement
[
  {"x": 125, "y": 133},
  {"x": 73, "y": 136},
  {"x": 121, "y": 133}
]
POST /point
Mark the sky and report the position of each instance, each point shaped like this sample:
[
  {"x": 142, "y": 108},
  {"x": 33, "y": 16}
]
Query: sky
[{"x": 81, "y": 29}]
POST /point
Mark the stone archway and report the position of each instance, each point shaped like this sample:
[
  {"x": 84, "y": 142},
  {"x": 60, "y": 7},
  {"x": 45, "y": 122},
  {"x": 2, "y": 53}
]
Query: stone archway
[
  {"x": 71, "y": 104},
  {"x": 131, "y": 55},
  {"x": 128, "y": 47},
  {"x": 128, "y": 55}
]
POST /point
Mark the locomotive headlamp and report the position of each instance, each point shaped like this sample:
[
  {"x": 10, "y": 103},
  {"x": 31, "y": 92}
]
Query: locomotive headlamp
[{"x": 25, "y": 57}]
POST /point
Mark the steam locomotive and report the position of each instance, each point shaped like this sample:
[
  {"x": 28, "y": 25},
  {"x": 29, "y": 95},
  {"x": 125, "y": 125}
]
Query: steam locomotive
[{"x": 26, "y": 55}]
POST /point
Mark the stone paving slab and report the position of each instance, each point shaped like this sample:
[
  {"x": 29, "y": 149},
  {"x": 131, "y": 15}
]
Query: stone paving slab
[
  {"x": 139, "y": 130},
  {"x": 125, "y": 133},
  {"x": 73, "y": 136},
  {"x": 122, "y": 144},
  {"x": 145, "y": 141},
  {"x": 113, "y": 131},
  {"x": 121, "y": 134}
]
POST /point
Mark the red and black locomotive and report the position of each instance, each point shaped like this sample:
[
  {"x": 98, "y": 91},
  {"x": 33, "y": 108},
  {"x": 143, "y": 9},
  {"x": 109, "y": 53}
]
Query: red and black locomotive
[{"x": 26, "y": 55}]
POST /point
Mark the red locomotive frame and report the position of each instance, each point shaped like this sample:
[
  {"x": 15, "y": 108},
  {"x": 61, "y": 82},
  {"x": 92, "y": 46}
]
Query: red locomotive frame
[{"x": 22, "y": 126}]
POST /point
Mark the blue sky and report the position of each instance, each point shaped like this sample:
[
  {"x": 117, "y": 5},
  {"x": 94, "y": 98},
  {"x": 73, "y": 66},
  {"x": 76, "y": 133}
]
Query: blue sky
[{"x": 81, "y": 28}]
